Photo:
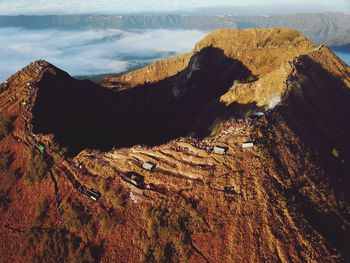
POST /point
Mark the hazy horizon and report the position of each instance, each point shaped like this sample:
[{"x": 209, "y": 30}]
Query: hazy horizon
[{"x": 41, "y": 7}]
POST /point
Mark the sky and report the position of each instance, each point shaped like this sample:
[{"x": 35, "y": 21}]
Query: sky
[
  {"x": 91, "y": 52},
  {"x": 15, "y": 7}
]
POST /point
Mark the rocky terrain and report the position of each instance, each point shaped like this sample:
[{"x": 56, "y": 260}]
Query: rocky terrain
[{"x": 238, "y": 151}]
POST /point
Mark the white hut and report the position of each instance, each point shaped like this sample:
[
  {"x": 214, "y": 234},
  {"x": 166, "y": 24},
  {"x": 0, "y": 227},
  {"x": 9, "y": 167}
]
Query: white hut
[
  {"x": 247, "y": 145},
  {"x": 149, "y": 166},
  {"x": 220, "y": 150}
]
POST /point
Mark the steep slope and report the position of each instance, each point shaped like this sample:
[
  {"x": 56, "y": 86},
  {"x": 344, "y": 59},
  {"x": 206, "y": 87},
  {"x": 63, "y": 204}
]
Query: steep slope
[{"x": 283, "y": 200}]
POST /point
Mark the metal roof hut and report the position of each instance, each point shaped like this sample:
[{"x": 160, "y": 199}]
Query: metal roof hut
[
  {"x": 135, "y": 179},
  {"x": 208, "y": 148},
  {"x": 229, "y": 190},
  {"x": 41, "y": 147},
  {"x": 93, "y": 194},
  {"x": 220, "y": 150},
  {"x": 149, "y": 166},
  {"x": 258, "y": 114},
  {"x": 247, "y": 145}
]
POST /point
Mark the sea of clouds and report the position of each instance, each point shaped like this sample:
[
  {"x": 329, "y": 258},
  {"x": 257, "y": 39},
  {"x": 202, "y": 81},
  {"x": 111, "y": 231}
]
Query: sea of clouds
[{"x": 91, "y": 52}]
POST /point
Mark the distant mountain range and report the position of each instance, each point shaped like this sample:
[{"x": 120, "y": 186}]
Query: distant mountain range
[{"x": 332, "y": 29}]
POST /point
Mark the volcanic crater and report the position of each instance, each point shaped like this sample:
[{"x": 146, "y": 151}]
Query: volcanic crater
[{"x": 84, "y": 115}]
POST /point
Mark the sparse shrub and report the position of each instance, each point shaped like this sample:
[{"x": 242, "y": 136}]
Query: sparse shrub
[
  {"x": 116, "y": 196},
  {"x": 4, "y": 203},
  {"x": 5, "y": 161},
  {"x": 7, "y": 178},
  {"x": 58, "y": 152},
  {"x": 37, "y": 168},
  {"x": 236, "y": 82},
  {"x": 216, "y": 127},
  {"x": 171, "y": 225},
  {"x": 3, "y": 87},
  {"x": 18, "y": 173},
  {"x": 335, "y": 152},
  {"x": 251, "y": 78},
  {"x": 107, "y": 186},
  {"x": 53, "y": 247},
  {"x": 5, "y": 127},
  {"x": 42, "y": 212},
  {"x": 83, "y": 256},
  {"x": 60, "y": 246},
  {"x": 76, "y": 217},
  {"x": 90, "y": 230},
  {"x": 288, "y": 183},
  {"x": 106, "y": 220}
]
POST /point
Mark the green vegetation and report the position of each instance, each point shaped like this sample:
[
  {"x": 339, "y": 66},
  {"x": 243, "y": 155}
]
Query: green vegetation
[
  {"x": 37, "y": 168},
  {"x": 41, "y": 147},
  {"x": 5, "y": 127},
  {"x": 170, "y": 228}
]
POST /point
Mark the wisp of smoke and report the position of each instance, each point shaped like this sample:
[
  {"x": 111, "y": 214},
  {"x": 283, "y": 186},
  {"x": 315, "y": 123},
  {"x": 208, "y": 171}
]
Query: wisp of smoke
[{"x": 274, "y": 101}]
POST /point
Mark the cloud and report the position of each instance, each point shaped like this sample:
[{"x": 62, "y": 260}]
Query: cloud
[
  {"x": 127, "y": 6},
  {"x": 91, "y": 52}
]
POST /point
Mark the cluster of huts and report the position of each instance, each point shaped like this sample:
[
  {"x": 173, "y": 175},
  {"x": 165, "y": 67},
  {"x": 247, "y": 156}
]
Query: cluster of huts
[{"x": 138, "y": 180}]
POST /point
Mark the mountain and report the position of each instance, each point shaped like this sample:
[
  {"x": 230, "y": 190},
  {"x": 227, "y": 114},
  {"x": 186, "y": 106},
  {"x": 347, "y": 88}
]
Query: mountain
[
  {"x": 324, "y": 28},
  {"x": 235, "y": 152}
]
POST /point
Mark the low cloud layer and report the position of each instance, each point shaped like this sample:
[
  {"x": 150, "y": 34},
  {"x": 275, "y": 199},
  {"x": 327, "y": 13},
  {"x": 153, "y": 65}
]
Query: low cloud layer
[{"x": 90, "y": 52}]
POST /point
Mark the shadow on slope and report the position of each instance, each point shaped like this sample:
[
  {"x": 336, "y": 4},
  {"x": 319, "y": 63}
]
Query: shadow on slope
[
  {"x": 317, "y": 111},
  {"x": 83, "y": 115}
]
